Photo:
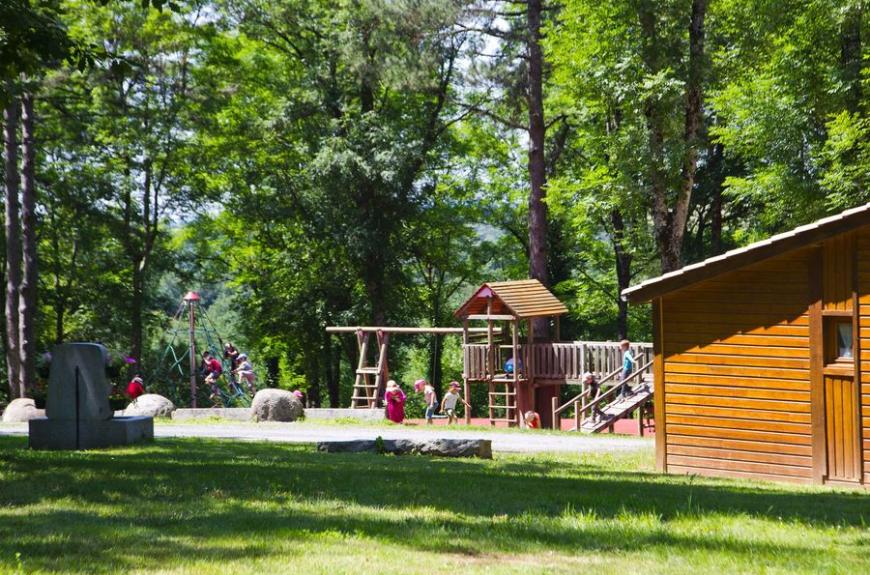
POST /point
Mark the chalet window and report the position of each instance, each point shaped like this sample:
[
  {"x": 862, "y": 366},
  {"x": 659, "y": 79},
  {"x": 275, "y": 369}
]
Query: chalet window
[
  {"x": 844, "y": 340},
  {"x": 839, "y": 342}
]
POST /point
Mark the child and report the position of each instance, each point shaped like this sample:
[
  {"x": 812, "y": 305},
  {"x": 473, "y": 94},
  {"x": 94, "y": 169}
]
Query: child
[
  {"x": 395, "y": 399},
  {"x": 135, "y": 388},
  {"x": 428, "y": 397},
  {"x": 246, "y": 372},
  {"x": 628, "y": 362},
  {"x": 232, "y": 354},
  {"x": 532, "y": 420},
  {"x": 213, "y": 370},
  {"x": 448, "y": 404},
  {"x": 594, "y": 391}
]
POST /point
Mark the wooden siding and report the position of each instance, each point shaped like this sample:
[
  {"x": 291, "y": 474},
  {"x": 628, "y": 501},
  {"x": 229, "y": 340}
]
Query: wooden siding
[
  {"x": 736, "y": 372},
  {"x": 863, "y": 246}
]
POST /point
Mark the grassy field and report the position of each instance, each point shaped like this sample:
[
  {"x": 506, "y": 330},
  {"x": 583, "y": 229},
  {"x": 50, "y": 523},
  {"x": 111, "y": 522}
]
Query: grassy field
[{"x": 195, "y": 506}]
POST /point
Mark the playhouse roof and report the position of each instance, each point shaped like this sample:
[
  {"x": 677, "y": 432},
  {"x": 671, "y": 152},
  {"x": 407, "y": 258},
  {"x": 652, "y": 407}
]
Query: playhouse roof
[
  {"x": 797, "y": 238},
  {"x": 521, "y": 299}
]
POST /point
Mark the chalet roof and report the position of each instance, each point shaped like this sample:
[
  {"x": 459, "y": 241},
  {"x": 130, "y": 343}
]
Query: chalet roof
[
  {"x": 797, "y": 238},
  {"x": 522, "y": 299}
]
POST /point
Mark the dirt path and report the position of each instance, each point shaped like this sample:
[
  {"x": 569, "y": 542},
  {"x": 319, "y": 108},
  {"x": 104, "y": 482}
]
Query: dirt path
[{"x": 502, "y": 441}]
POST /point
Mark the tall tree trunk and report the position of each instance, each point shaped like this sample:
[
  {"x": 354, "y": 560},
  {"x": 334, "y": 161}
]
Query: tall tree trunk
[
  {"x": 332, "y": 365},
  {"x": 718, "y": 181},
  {"x": 29, "y": 276},
  {"x": 137, "y": 302},
  {"x": 670, "y": 220},
  {"x": 537, "y": 133},
  {"x": 623, "y": 270},
  {"x": 13, "y": 247}
]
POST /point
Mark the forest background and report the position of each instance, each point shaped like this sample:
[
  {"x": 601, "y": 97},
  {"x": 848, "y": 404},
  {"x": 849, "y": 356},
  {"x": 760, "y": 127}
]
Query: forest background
[{"x": 304, "y": 163}]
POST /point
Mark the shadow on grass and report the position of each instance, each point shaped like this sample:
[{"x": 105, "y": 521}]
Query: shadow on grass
[{"x": 167, "y": 494}]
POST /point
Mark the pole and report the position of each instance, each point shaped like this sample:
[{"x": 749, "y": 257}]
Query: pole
[{"x": 191, "y": 314}]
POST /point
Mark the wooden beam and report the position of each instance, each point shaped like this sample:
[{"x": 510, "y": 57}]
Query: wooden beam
[
  {"x": 817, "y": 366},
  {"x": 856, "y": 356},
  {"x": 659, "y": 385},
  {"x": 493, "y": 317},
  {"x": 410, "y": 330}
]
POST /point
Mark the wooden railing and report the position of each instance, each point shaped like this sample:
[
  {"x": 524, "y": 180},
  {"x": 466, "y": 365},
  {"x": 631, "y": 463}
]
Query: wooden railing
[
  {"x": 561, "y": 360},
  {"x": 581, "y": 409}
]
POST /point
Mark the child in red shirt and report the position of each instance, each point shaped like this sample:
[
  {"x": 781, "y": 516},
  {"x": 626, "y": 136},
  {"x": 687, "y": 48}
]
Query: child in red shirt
[{"x": 135, "y": 388}]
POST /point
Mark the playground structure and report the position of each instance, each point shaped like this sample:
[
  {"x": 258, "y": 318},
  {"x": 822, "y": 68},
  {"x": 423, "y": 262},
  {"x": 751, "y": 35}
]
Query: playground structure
[
  {"x": 201, "y": 335},
  {"x": 540, "y": 366}
]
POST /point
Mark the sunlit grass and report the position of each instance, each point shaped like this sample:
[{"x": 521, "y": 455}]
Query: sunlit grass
[{"x": 207, "y": 506}]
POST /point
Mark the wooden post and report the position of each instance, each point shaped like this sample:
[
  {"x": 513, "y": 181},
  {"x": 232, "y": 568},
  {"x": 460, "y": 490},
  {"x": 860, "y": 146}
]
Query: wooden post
[
  {"x": 577, "y": 419},
  {"x": 466, "y": 386},
  {"x": 817, "y": 364},
  {"x": 659, "y": 386},
  {"x": 191, "y": 316},
  {"x": 515, "y": 348},
  {"x": 557, "y": 423}
]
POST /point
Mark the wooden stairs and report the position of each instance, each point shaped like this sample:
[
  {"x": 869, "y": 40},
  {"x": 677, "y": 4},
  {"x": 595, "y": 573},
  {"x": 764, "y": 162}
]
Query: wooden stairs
[{"x": 620, "y": 407}]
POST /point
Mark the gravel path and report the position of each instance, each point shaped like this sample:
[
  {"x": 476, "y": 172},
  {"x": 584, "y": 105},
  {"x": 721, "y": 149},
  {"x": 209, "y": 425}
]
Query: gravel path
[{"x": 310, "y": 433}]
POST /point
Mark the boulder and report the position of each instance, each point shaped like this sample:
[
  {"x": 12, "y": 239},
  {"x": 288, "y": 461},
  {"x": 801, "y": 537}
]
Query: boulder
[
  {"x": 21, "y": 409},
  {"x": 150, "y": 404},
  {"x": 276, "y": 405},
  {"x": 435, "y": 447}
]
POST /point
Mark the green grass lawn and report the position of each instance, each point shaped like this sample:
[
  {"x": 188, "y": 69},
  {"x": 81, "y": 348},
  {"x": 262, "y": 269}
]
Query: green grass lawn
[{"x": 196, "y": 506}]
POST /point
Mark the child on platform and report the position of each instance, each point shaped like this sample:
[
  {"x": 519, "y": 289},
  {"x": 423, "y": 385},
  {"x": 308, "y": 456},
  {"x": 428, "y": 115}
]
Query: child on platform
[{"x": 628, "y": 364}]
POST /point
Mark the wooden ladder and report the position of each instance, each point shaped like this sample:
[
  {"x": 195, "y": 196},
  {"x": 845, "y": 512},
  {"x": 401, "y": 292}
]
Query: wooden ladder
[
  {"x": 502, "y": 404},
  {"x": 366, "y": 393}
]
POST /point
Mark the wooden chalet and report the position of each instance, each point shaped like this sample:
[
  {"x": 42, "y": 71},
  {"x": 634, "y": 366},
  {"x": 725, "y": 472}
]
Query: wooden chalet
[{"x": 762, "y": 357}]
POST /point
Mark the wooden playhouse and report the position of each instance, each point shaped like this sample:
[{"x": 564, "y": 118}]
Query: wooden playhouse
[{"x": 762, "y": 357}]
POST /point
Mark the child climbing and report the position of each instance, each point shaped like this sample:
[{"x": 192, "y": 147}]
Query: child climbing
[
  {"x": 232, "y": 355},
  {"x": 421, "y": 385},
  {"x": 448, "y": 404},
  {"x": 594, "y": 391},
  {"x": 213, "y": 370},
  {"x": 246, "y": 372},
  {"x": 395, "y": 399}
]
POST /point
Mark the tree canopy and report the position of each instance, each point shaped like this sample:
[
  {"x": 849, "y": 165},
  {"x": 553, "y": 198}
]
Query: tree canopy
[{"x": 307, "y": 162}]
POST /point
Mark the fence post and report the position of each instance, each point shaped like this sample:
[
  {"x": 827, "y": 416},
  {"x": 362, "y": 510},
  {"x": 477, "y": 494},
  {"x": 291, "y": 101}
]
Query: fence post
[{"x": 557, "y": 421}]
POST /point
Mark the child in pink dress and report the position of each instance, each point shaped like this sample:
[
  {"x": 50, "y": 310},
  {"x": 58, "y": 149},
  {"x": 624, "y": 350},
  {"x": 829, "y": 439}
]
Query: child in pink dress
[{"x": 395, "y": 400}]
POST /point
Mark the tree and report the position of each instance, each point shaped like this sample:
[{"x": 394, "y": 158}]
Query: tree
[
  {"x": 29, "y": 278},
  {"x": 13, "y": 246}
]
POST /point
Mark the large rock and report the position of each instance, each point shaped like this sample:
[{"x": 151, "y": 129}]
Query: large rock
[
  {"x": 150, "y": 404},
  {"x": 436, "y": 447},
  {"x": 21, "y": 409},
  {"x": 276, "y": 405}
]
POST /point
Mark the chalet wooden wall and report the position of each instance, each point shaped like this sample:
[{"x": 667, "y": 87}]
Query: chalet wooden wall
[
  {"x": 736, "y": 373},
  {"x": 864, "y": 330}
]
